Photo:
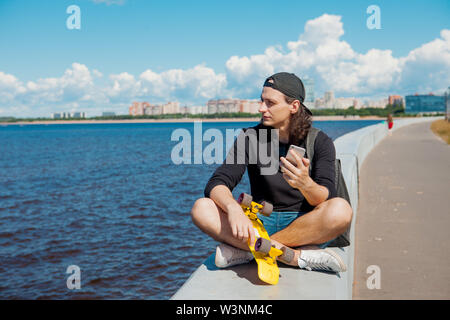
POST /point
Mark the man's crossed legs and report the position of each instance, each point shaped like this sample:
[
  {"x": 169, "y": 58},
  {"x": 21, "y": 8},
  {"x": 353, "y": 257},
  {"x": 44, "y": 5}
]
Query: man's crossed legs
[{"x": 327, "y": 221}]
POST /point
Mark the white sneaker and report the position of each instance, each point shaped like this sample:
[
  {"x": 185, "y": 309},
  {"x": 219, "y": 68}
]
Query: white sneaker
[
  {"x": 321, "y": 259},
  {"x": 227, "y": 256}
]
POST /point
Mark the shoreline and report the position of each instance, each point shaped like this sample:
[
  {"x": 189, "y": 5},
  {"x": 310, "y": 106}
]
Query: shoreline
[{"x": 316, "y": 118}]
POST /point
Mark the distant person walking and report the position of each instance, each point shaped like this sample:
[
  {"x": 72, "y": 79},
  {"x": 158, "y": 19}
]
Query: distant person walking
[{"x": 390, "y": 123}]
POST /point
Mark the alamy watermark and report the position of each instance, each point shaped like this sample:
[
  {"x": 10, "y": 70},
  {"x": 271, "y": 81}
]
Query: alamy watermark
[
  {"x": 374, "y": 280},
  {"x": 74, "y": 280},
  {"x": 245, "y": 147},
  {"x": 374, "y": 20},
  {"x": 74, "y": 20}
]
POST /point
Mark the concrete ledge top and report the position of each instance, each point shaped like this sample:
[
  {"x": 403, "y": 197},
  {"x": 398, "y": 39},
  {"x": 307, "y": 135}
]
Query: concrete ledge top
[{"x": 211, "y": 283}]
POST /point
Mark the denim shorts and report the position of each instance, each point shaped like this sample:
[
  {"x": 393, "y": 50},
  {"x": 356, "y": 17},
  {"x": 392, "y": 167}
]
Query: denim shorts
[{"x": 279, "y": 220}]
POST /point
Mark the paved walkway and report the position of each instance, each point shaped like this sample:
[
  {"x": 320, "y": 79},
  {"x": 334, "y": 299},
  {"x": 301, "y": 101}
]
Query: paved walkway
[{"x": 403, "y": 221}]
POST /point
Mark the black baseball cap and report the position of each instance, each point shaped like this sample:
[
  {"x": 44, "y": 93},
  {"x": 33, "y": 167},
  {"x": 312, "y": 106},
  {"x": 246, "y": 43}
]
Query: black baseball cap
[{"x": 290, "y": 85}]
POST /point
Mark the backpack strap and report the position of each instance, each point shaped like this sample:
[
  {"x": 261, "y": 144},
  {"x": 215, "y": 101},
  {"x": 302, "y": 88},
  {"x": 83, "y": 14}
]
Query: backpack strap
[
  {"x": 310, "y": 140},
  {"x": 342, "y": 240}
]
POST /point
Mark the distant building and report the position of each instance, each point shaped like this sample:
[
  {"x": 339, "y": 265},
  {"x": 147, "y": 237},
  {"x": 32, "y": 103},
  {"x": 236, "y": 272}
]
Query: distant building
[
  {"x": 170, "y": 108},
  {"x": 343, "y": 103},
  {"x": 232, "y": 105},
  {"x": 138, "y": 108},
  {"x": 196, "y": 110},
  {"x": 108, "y": 114},
  {"x": 319, "y": 103},
  {"x": 330, "y": 102},
  {"x": 250, "y": 106},
  {"x": 67, "y": 115},
  {"x": 185, "y": 110},
  {"x": 327, "y": 102},
  {"x": 153, "y": 110},
  {"x": 145, "y": 108},
  {"x": 309, "y": 90},
  {"x": 328, "y": 98},
  {"x": 395, "y": 100},
  {"x": 376, "y": 103},
  {"x": 425, "y": 104},
  {"x": 357, "y": 103},
  {"x": 77, "y": 115}
]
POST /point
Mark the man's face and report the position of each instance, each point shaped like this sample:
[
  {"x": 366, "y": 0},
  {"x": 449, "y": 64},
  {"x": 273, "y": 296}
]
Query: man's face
[{"x": 274, "y": 108}]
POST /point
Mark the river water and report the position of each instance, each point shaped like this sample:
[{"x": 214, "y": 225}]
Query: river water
[{"x": 108, "y": 199}]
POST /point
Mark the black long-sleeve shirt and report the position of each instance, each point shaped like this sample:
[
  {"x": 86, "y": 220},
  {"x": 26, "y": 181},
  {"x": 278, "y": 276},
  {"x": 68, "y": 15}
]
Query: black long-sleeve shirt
[{"x": 274, "y": 188}]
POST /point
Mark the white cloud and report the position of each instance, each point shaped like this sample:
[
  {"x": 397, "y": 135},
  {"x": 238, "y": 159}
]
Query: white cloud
[
  {"x": 316, "y": 53},
  {"x": 78, "y": 87},
  {"x": 189, "y": 86},
  {"x": 321, "y": 54},
  {"x": 73, "y": 85},
  {"x": 74, "y": 88},
  {"x": 195, "y": 84},
  {"x": 10, "y": 87},
  {"x": 427, "y": 68},
  {"x": 124, "y": 87},
  {"x": 97, "y": 73}
]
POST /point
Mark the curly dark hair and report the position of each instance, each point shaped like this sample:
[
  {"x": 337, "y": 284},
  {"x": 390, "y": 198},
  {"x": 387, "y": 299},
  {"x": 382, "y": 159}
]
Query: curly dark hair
[{"x": 299, "y": 124}]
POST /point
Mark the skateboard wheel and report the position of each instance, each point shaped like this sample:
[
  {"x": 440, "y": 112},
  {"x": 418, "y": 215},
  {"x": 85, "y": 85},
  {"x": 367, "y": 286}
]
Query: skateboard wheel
[
  {"x": 245, "y": 199},
  {"x": 266, "y": 209},
  {"x": 287, "y": 256},
  {"x": 263, "y": 245}
]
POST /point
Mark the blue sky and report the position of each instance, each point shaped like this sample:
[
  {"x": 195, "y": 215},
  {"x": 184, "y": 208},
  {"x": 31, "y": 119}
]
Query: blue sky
[{"x": 121, "y": 40}]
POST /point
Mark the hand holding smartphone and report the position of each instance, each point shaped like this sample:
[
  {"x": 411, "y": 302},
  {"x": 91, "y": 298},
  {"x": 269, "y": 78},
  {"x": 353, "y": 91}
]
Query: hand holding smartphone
[{"x": 300, "y": 152}]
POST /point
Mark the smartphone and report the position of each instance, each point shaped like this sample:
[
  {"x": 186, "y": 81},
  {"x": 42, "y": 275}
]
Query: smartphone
[{"x": 299, "y": 150}]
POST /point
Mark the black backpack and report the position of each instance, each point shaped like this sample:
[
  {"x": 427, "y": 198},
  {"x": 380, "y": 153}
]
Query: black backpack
[{"x": 344, "y": 239}]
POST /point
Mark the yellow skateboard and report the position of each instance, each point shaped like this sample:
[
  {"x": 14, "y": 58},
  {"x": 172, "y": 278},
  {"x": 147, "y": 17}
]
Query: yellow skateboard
[{"x": 265, "y": 255}]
